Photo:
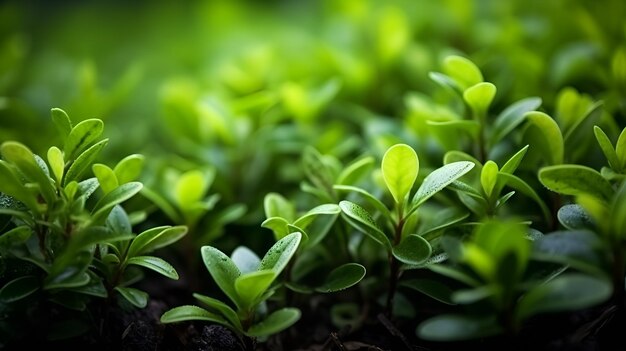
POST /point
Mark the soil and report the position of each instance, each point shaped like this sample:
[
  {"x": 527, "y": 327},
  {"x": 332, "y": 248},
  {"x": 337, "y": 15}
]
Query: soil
[{"x": 596, "y": 329}]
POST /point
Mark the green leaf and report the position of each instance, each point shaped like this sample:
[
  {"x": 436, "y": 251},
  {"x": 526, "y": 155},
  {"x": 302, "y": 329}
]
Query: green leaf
[
  {"x": 275, "y": 205},
  {"x": 471, "y": 127},
  {"x": 136, "y": 297},
  {"x": 156, "y": 264},
  {"x": 448, "y": 327},
  {"x": 245, "y": 259},
  {"x": 81, "y": 136},
  {"x": 250, "y": 286},
  {"x": 373, "y": 200},
  {"x": 444, "y": 218},
  {"x": 520, "y": 185},
  {"x": 454, "y": 273},
  {"x": 119, "y": 222},
  {"x": 511, "y": 117},
  {"x": 342, "y": 277},
  {"x": 276, "y": 322},
  {"x": 278, "y": 225},
  {"x": 439, "y": 179},
  {"x": 355, "y": 171},
  {"x": 463, "y": 71},
  {"x": 446, "y": 82},
  {"x": 473, "y": 295},
  {"x": 400, "y": 166},
  {"x": 155, "y": 238},
  {"x": 280, "y": 253},
  {"x": 489, "y": 177},
  {"x": 11, "y": 185},
  {"x": 82, "y": 162},
  {"x": 307, "y": 218},
  {"x": 431, "y": 288},
  {"x": 115, "y": 197},
  {"x": 90, "y": 236},
  {"x": 574, "y": 217},
  {"x": 25, "y": 161},
  {"x": 19, "y": 288},
  {"x": 358, "y": 217},
  {"x": 620, "y": 148},
  {"x": 607, "y": 148},
  {"x": 219, "y": 307},
  {"x": 69, "y": 272},
  {"x": 192, "y": 313},
  {"x": 191, "y": 187},
  {"x": 129, "y": 168},
  {"x": 412, "y": 250},
  {"x": 551, "y": 139},
  {"x": 576, "y": 180},
  {"x": 618, "y": 214},
  {"x": 511, "y": 165},
  {"x": 579, "y": 249},
  {"x": 568, "y": 292},
  {"x": 57, "y": 163},
  {"x": 14, "y": 237},
  {"x": 223, "y": 270},
  {"x": 316, "y": 170},
  {"x": 479, "y": 98},
  {"x": 106, "y": 177},
  {"x": 61, "y": 122}
]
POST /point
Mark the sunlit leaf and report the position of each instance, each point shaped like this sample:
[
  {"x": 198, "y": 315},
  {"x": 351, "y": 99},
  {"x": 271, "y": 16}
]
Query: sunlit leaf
[
  {"x": 83, "y": 161},
  {"x": 463, "y": 71},
  {"x": 129, "y": 168},
  {"x": 81, "y": 136}
]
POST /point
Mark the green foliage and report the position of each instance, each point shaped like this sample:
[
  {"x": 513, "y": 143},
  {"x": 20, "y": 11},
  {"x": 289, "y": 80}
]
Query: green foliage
[
  {"x": 247, "y": 282},
  {"x": 73, "y": 231}
]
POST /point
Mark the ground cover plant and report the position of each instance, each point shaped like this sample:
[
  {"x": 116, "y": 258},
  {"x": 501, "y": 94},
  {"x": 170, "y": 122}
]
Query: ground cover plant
[{"x": 313, "y": 175}]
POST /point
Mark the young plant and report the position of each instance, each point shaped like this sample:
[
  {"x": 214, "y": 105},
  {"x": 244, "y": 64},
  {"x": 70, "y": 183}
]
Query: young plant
[
  {"x": 312, "y": 257},
  {"x": 247, "y": 281},
  {"x": 400, "y": 167},
  {"x": 494, "y": 265},
  {"x": 471, "y": 117},
  {"x": 483, "y": 194},
  {"x": 57, "y": 228}
]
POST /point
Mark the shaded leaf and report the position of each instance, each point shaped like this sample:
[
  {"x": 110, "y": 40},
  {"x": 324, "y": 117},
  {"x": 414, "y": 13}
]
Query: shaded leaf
[
  {"x": 511, "y": 117},
  {"x": 551, "y": 138},
  {"x": 449, "y": 327},
  {"x": 156, "y": 264},
  {"x": 136, "y": 297},
  {"x": 568, "y": 292},
  {"x": 575, "y": 180},
  {"x": 342, "y": 278},
  {"x": 277, "y": 321},
  {"x": 19, "y": 288},
  {"x": 355, "y": 171},
  {"x": 155, "y": 238},
  {"x": 607, "y": 148},
  {"x": 61, "y": 122},
  {"x": 275, "y": 205},
  {"x": 574, "y": 217},
  {"x": 192, "y": 313},
  {"x": 221, "y": 308},
  {"x": 432, "y": 288},
  {"x": 412, "y": 250},
  {"x": 245, "y": 259},
  {"x": 115, "y": 197}
]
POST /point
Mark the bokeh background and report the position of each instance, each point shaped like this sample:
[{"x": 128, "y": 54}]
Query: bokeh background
[{"x": 241, "y": 87}]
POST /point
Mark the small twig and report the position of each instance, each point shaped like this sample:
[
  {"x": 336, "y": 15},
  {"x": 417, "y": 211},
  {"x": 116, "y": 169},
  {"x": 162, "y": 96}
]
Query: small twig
[{"x": 396, "y": 332}]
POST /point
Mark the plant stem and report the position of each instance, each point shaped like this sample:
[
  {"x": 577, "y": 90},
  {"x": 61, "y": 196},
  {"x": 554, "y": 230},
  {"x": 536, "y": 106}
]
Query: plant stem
[{"x": 394, "y": 264}]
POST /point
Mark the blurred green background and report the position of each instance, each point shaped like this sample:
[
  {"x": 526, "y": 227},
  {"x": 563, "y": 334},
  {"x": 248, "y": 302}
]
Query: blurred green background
[{"x": 243, "y": 86}]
